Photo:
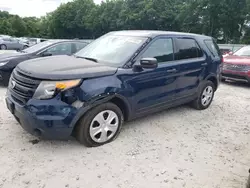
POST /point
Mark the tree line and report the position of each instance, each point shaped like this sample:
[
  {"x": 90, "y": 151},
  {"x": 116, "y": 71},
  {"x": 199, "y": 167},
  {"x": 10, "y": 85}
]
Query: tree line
[{"x": 226, "y": 20}]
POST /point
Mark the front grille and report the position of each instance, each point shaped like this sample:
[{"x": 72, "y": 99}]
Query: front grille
[
  {"x": 22, "y": 87},
  {"x": 236, "y": 67}
]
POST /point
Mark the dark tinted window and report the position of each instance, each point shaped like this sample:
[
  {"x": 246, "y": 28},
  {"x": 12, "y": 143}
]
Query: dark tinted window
[
  {"x": 213, "y": 47},
  {"x": 187, "y": 49},
  {"x": 161, "y": 49}
]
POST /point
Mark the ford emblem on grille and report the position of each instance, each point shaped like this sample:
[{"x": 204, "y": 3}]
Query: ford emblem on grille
[{"x": 13, "y": 84}]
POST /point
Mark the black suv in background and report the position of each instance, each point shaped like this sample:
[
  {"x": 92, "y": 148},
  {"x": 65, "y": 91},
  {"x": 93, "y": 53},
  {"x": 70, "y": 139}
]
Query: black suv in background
[
  {"x": 9, "y": 61},
  {"x": 120, "y": 76}
]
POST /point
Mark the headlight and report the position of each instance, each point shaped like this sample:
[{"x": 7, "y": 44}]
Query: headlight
[
  {"x": 3, "y": 63},
  {"x": 47, "y": 89}
]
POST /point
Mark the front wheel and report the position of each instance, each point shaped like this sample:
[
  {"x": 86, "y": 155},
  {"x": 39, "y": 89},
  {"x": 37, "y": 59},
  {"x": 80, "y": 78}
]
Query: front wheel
[
  {"x": 100, "y": 125},
  {"x": 205, "y": 96}
]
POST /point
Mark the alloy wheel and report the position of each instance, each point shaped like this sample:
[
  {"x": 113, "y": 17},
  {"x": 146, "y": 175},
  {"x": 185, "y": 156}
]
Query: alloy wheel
[
  {"x": 207, "y": 96},
  {"x": 104, "y": 126}
]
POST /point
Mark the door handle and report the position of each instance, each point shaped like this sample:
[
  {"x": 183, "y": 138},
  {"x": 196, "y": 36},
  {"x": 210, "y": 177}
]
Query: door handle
[
  {"x": 171, "y": 71},
  {"x": 204, "y": 64}
]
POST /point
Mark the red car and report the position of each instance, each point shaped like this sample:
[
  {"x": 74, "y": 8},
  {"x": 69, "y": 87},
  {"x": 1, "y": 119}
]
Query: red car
[{"x": 236, "y": 66}]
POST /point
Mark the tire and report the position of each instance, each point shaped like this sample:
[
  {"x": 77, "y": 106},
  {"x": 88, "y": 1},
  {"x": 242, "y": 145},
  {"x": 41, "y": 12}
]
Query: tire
[
  {"x": 24, "y": 47},
  {"x": 3, "y": 47},
  {"x": 99, "y": 135},
  {"x": 198, "y": 103},
  {"x": 248, "y": 181}
]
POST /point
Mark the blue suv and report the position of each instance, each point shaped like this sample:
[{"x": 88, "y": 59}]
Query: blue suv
[{"x": 120, "y": 76}]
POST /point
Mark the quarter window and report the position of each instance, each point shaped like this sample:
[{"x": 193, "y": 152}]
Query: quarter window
[
  {"x": 187, "y": 49},
  {"x": 213, "y": 48},
  {"x": 161, "y": 49}
]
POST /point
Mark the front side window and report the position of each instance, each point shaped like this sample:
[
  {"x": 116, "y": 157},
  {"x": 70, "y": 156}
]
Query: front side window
[
  {"x": 60, "y": 49},
  {"x": 160, "y": 49},
  {"x": 112, "y": 49},
  {"x": 187, "y": 49}
]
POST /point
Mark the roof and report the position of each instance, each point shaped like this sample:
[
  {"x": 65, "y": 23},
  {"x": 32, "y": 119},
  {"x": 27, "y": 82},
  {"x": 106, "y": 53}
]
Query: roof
[
  {"x": 154, "y": 33},
  {"x": 66, "y": 40}
]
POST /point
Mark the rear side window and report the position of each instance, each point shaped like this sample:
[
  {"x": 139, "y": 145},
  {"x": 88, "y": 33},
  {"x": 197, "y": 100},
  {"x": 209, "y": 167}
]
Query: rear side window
[
  {"x": 213, "y": 47},
  {"x": 187, "y": 49}
]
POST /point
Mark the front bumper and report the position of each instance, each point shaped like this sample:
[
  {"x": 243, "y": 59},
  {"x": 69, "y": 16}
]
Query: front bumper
[
  {"x": 236, "y": 76},
  {"x": 49, "y": 119}
]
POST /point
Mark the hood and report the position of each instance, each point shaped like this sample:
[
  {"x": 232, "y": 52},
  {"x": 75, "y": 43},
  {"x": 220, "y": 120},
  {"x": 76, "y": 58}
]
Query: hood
[
  {"x": 11, "y": 55},
  {"x": 233, "y": 59},
  {"x": 64, "y": 67}
]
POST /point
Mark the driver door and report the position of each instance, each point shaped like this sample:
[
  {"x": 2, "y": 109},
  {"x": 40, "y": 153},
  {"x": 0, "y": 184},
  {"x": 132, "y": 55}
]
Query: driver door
[{"x": 155, "y": 88}]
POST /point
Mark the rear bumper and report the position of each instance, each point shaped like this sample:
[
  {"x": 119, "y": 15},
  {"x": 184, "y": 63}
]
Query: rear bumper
[
  {"x": 49, "y": 119},
  {"x": 236, "y": 76}
]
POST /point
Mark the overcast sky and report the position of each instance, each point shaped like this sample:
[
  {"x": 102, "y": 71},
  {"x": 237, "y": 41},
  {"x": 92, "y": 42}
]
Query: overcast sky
[{"x": 36, "y": 8}]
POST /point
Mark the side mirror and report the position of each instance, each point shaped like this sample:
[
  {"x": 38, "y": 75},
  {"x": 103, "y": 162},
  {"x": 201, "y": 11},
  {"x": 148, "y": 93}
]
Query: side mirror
[
  {"x": 45, "y": 54},
  {"x": 149, "y": 63}
]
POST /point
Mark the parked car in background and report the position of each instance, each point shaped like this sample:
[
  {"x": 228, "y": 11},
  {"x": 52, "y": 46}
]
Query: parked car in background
[
  {"x": 9, "y": 43},
  {"x": 8, "y": 51},
  {"x": 8, "y": 61},
  {"x": 33, "y": 41},
  {"x": 5, "y": 36},
  {"x": 23, "y": 40},
  {"x": 236, "y": 66},
  {"x": 120, "y": 76},
  {"x": 225, "y": 51},
  {"x": 227, "y": 48}
]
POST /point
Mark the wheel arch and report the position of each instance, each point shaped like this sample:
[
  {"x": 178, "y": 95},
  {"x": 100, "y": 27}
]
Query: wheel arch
[
  {"x": 117, "y": 99},
  {"x": 213, "y": 79}
]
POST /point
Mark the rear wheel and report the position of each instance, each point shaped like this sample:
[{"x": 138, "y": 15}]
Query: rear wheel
[
  {"x": 3, "y": 47},
  {"x": 99, "y": 125},
  {"x": 205, "y": 96},
  {"x": 248, "y": 181}
]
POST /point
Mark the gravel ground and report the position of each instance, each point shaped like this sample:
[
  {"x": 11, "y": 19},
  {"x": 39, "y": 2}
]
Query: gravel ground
[{"x": 180, "y": 147}]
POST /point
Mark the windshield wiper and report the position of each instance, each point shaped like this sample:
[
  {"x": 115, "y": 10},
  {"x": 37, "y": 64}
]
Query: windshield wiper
[{"x": 88, "y": 58}]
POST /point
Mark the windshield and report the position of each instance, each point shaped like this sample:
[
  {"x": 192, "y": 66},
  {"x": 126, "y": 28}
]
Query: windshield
[
  {"x": 38, "y": 46},
  {"x": 112, "y": 49},
  {"x": 244, "y": 51}
]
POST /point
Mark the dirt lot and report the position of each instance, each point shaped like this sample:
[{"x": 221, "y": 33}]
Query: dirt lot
[{"x": 177, "y": 148}]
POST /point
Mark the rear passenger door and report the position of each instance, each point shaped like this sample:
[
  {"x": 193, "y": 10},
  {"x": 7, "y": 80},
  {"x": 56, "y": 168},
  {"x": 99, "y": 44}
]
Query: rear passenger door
[{"x": 192, "y": 65}]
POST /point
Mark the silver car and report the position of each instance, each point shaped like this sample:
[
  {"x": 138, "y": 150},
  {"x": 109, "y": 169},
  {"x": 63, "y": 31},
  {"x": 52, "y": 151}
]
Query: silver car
[{"x": 12, "y": 44}]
